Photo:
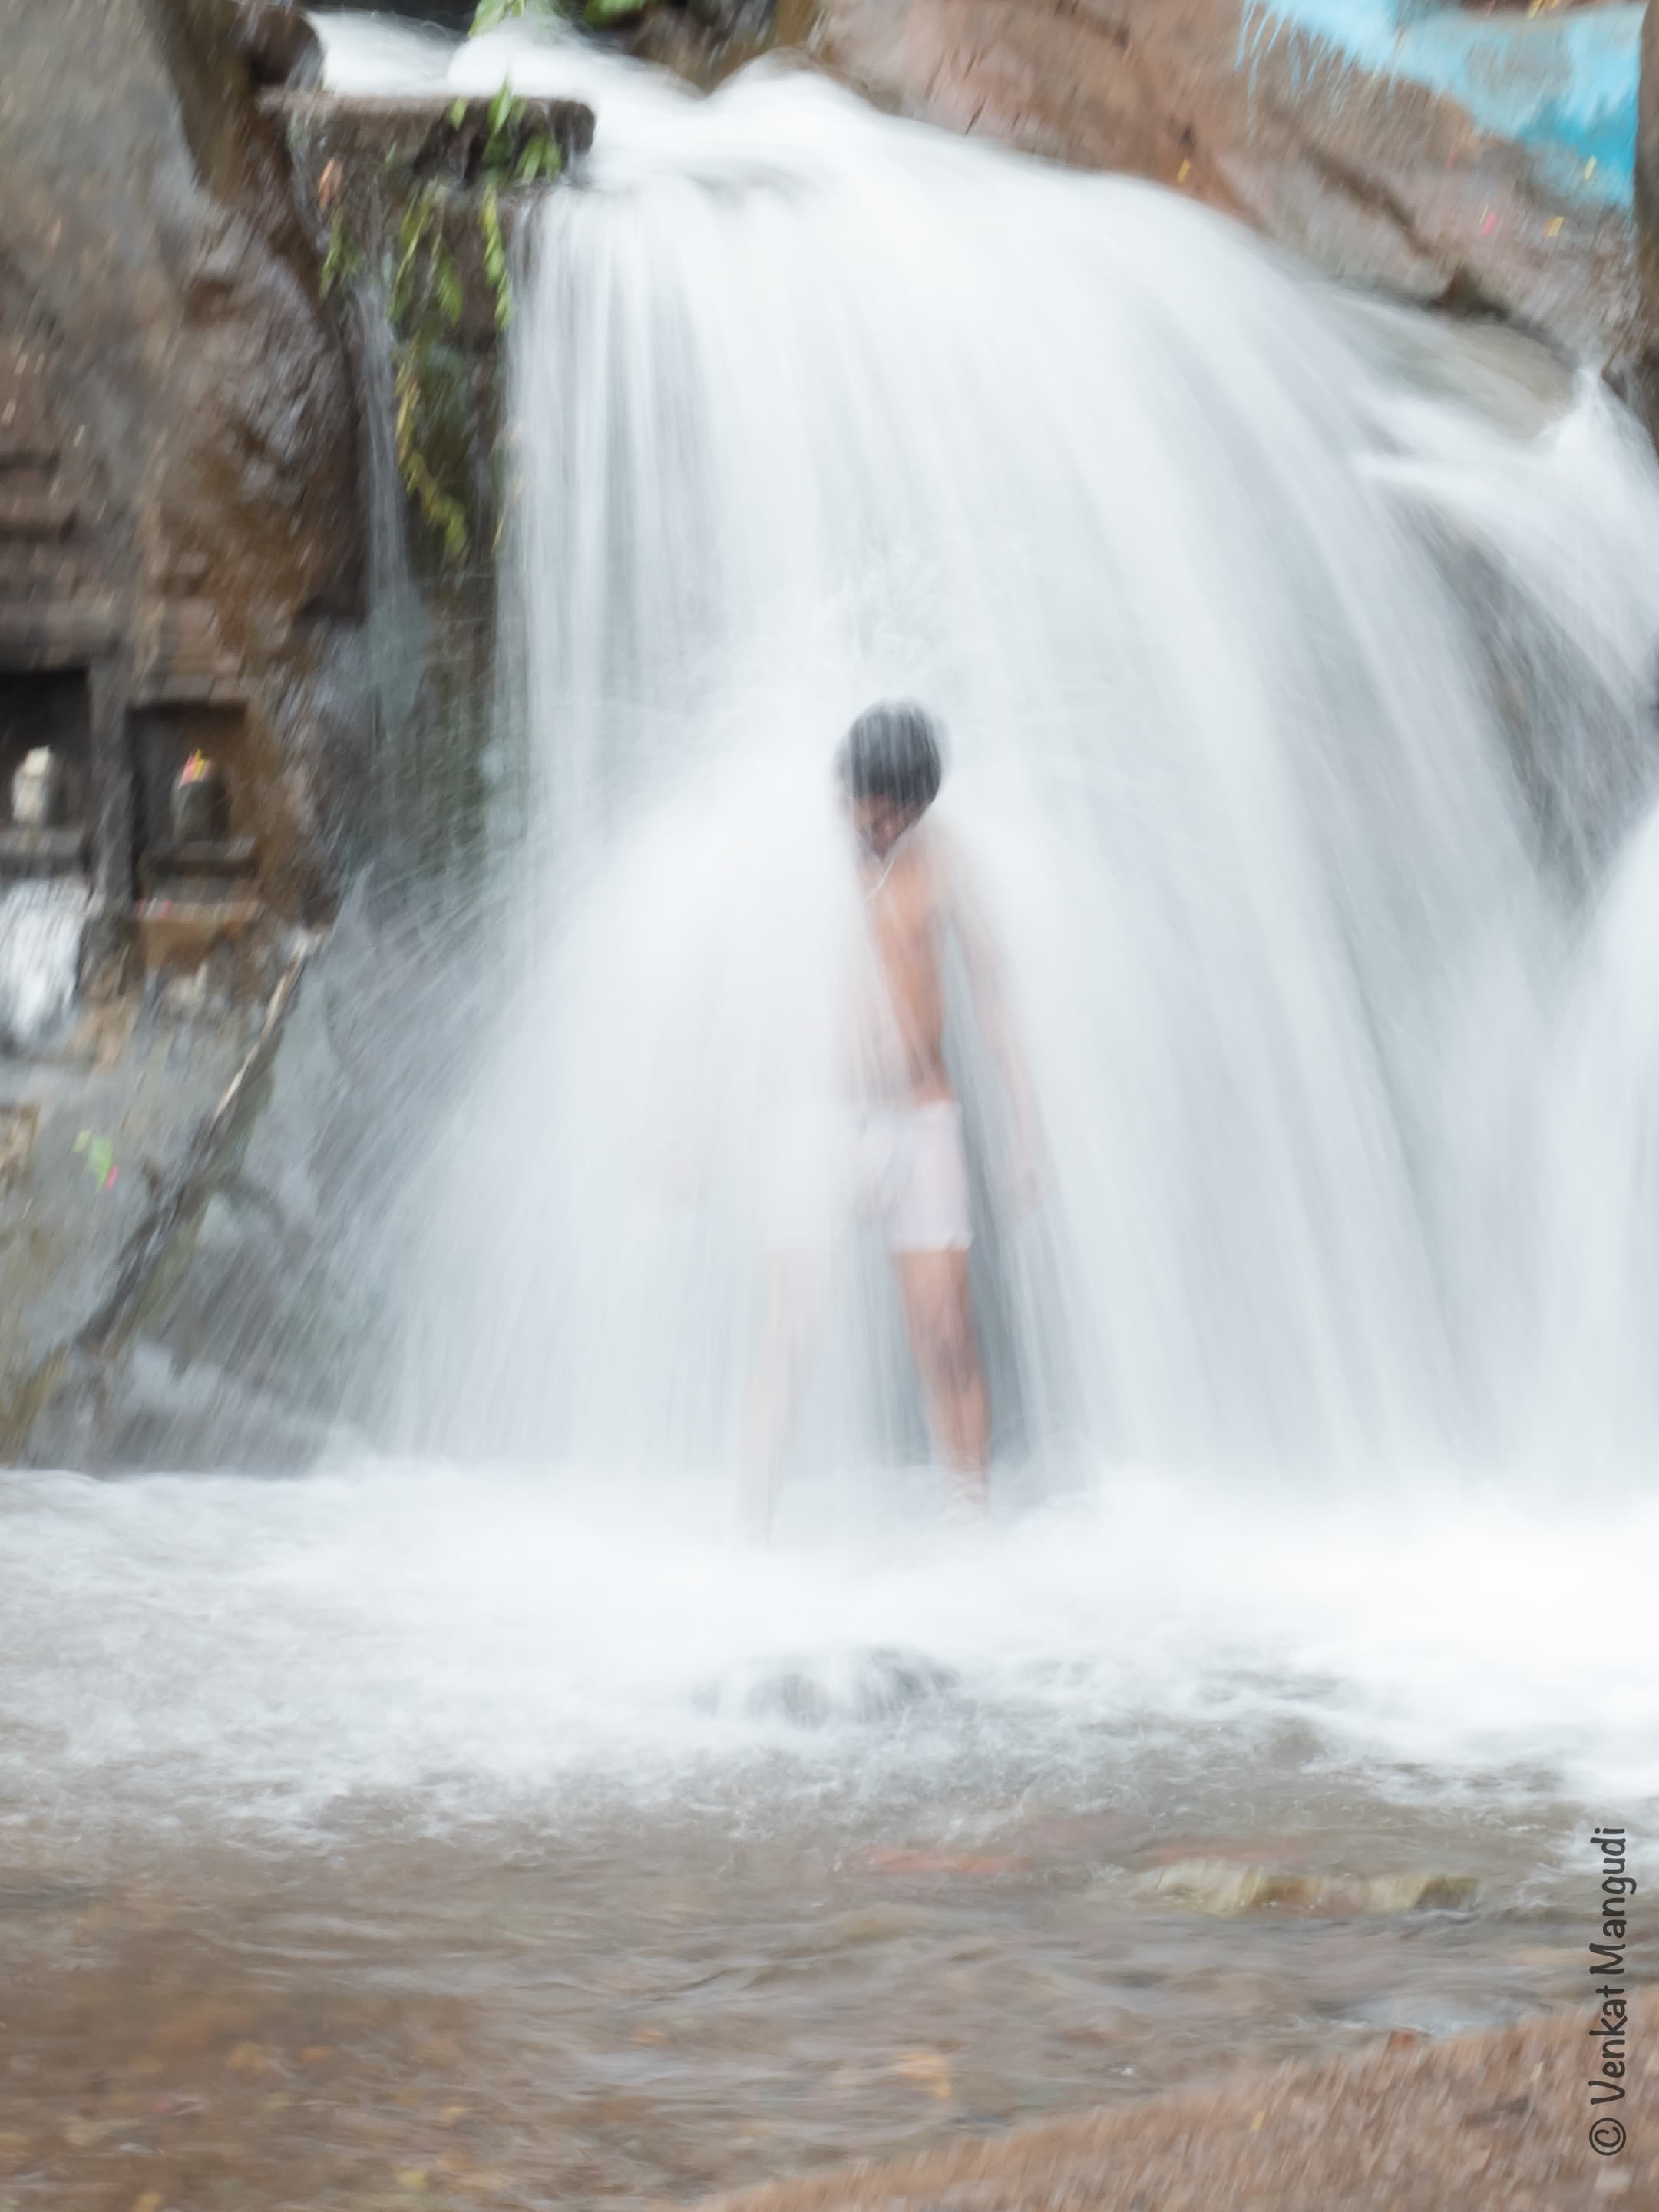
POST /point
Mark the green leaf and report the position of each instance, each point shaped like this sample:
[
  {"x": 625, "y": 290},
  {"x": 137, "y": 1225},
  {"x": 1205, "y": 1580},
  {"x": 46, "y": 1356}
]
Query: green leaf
[
  {"x": 496, "y": 260},
  {"x": 458, "y": 113},
  {"x": 448, "y": 285},
  {"x": 540, "y": 159}
]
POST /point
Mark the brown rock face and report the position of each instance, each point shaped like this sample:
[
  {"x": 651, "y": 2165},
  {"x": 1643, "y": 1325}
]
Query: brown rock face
[
  {"x": 178, "y": 497},
  {"x": 1490, "y": 2123},
  {"x": 1383, "y": 182},
  {"x": 1647, "y": 166}
]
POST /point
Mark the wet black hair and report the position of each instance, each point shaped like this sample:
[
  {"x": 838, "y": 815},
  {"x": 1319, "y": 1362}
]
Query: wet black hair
[{"x": 893, "y": 752}]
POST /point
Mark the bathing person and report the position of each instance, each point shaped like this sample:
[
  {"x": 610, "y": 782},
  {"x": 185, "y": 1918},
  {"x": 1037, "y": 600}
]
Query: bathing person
[{"x": 891, "y": 1144}]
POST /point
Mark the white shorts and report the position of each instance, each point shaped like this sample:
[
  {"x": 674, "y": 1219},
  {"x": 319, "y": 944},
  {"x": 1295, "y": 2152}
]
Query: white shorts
[{"x": 902, "y": 1165}]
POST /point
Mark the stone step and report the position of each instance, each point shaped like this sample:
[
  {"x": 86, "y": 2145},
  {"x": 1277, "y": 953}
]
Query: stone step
[
  {"x": 36, "y": 570},
  {"x": 36, "y": 514},
  {"x": 27, "y": 432},
  {"x": 56, "y": 633},
  {"x": 42, "y": 852},
  {"x": 26, "y": 443},
  {"x": 209, "y": 857}
]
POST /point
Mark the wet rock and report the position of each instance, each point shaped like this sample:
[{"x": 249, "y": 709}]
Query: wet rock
[
  {"x": 1476, "y": 2124},
  {"x": 367, "y": 138},
  {"x": 277, "y": 45},
  {"x": 863, "y": 1687},
  {"x": 1375, "y": 179},
  {"x": 733, "y": 19},
  {"x": 704, "y": 41},
  {"x": 229, "y": 1301},
  {"x": 1229, "y": 1890},
  {"x": 1421, "y": 1892},
  {"x": 173, "y": 381}
]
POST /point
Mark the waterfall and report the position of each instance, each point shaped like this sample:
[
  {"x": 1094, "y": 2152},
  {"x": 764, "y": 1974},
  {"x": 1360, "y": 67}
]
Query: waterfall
[
  {"x": 1295, "y": 655},
  {"x": 813, "y": 407},
  {"x": 396, "y": 623}
]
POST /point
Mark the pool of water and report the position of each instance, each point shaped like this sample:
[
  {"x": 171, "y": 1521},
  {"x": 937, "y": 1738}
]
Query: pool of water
[{"x": 491, "y": 1838}]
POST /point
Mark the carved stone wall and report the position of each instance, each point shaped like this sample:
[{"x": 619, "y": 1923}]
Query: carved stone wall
[{"x": 180, "y": 539}]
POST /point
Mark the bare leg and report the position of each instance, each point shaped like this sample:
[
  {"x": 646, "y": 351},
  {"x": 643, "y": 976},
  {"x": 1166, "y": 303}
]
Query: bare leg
[
  {"x": 938, "y": 1315},
  {"x": 794, "y": 1294}
]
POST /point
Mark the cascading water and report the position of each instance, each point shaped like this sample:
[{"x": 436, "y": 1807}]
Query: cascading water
[
  {"x": 397, "y": 626},
  {"x": 812, "y": 408}
]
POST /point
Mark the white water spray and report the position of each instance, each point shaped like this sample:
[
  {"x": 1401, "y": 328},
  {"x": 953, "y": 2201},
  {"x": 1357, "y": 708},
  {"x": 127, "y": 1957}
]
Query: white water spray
[
  {"x": 40, "y": 928},
  {"x": 812, "y": 407}
]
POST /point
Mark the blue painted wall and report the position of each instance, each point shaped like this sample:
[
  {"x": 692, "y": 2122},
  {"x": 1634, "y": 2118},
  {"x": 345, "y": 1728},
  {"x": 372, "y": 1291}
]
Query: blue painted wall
[{"x": 1562, "y": 84}]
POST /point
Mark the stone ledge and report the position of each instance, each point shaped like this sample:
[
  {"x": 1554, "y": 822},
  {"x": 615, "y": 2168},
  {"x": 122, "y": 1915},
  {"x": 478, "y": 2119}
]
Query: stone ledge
[
  {"x": 181, "y": 933},
  {"x": 58, "y": 632},
  {"x": 420, "y": 137}
]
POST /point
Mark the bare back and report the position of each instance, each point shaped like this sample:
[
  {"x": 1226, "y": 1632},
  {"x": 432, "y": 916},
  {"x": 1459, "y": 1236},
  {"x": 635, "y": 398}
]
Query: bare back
[{"x": 907, "y": 900}]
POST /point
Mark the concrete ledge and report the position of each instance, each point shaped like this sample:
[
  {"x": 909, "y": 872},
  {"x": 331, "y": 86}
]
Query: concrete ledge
[{"x": 1487, "y": 2123}]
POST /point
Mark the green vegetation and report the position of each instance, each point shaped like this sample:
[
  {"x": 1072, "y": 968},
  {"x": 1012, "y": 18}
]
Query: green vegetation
[
  {"x": 490, "y": 14},
  {"x": 598, "y": 15},
  {"x": 437, "y": 396},
  {"x": 342, "y": 263},
  {"x": 430, "y": 378}
]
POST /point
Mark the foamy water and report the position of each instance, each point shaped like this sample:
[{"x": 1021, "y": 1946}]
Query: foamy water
[{"x": 452, "y": 1648}]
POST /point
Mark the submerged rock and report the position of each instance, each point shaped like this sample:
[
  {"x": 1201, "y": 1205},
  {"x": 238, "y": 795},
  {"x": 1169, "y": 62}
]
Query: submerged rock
[
  {"x": 865, "y": 1688},
  {"x": 1227, "y": 1890}
]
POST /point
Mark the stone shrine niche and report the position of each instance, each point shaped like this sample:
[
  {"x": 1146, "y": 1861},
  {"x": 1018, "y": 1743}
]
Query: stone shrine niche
[
  {"x": 45, "y": 772},
  {"x": 194, "y": 804}
]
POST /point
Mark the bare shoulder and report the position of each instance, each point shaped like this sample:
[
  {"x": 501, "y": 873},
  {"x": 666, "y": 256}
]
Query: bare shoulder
[
  {"x": 924, "y": 879},
  {"x": 952, "y": 874},
  {"x": 940, "y": 856}
]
